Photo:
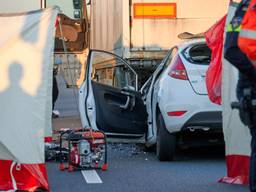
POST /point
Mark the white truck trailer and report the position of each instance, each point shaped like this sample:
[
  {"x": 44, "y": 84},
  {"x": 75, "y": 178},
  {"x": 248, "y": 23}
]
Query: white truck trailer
[{"x": 141, "y": 31}]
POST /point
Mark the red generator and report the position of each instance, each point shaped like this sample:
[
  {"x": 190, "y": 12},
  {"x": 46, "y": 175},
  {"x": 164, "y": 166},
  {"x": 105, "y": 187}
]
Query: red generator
[{"x": 87, "y": 149}]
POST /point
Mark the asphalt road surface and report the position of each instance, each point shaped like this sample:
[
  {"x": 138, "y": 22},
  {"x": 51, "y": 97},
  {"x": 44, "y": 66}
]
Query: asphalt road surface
[{"x": 133, "y": 170}]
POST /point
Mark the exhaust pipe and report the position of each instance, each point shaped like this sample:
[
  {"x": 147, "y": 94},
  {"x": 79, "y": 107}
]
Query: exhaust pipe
[{"x": 193, "y": 128}]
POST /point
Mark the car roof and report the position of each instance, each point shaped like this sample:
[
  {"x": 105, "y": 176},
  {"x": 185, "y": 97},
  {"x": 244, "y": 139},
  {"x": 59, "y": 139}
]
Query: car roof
[{"x": 186, "y": 43}]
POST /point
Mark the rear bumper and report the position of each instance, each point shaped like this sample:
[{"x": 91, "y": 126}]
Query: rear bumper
[
  {"x": 205, "y": 120},
  {"x": 204, "y": 128}
]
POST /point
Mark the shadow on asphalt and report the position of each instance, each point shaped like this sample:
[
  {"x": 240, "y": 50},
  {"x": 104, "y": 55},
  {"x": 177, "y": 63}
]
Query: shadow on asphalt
[{"x": 201, "y": 153}]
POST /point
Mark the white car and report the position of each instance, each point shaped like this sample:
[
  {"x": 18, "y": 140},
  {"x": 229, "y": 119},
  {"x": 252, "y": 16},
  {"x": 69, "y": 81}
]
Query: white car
[{"x": 171, "y": 108}]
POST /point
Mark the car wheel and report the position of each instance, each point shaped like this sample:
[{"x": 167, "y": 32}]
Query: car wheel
[{"x": 166, "y": 142}]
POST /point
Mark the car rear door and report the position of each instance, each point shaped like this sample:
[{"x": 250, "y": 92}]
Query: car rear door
[
  {"x": 109, "y": 99},
  {"x": 196, "y": 59}
]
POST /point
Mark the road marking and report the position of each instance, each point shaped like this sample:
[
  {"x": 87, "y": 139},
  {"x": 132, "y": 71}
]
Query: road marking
[{"x": 91, "y": 176}]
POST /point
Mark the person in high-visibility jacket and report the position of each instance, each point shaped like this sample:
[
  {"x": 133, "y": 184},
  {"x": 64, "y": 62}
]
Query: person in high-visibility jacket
[
  {"x": 235, "y": 56},
  {"x": 247, "y": 44},
  {"x": 247, "y": 35}
]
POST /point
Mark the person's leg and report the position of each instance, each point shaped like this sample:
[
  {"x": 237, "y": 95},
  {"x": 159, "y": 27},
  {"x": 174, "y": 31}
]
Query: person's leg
[
  {"x": 252, "y": 179},
  {"x": 55, "y": 92}
]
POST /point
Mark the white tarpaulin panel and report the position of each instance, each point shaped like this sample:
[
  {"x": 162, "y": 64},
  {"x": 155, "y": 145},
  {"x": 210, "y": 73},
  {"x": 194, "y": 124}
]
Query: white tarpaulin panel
[
  {"x": 26, "y": 49},
  {"x": 237, "y": 136}
]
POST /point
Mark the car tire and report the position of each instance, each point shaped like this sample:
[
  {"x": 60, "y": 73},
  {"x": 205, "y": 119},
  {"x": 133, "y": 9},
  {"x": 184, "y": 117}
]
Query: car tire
[{"x": 166, "y": 142}]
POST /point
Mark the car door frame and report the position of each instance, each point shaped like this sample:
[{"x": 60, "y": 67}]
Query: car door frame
[{"x": 151, "y": 101}]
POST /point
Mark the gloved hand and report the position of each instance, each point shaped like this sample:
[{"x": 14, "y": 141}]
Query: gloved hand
[{"x": 244, "y": 112}]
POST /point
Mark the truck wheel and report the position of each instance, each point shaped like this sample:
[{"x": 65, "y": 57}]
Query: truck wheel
[{"x": 165, "y": 142}]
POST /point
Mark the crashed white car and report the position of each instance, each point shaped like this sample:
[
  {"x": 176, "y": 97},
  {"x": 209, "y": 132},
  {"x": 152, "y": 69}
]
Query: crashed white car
[{"x": 172, "y": 108}]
